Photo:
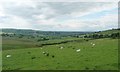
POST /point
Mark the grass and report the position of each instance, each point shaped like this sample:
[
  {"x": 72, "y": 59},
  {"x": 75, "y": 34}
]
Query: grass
[
  {"x": 104, "y": 56},
  {"x": 16, "y": 43}
]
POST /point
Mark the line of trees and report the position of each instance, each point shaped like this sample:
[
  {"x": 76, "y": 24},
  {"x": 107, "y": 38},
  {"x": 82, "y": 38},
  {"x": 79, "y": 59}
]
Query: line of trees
[
  {"x": 97, "y": 36},
  {"x": 6, "y": 34}
]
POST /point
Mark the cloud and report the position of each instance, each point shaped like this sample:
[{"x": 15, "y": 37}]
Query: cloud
[
  {"x": 56, "y": 15},
  {"x": 15, "y": 22},
  {"x": 93, "y": 8},
  {"x": 103, "y": 23}
]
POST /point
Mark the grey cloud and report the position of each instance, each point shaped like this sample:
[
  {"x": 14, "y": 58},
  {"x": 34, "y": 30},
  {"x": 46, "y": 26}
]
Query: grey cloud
[
  {"x": 69, "y": 7},
  {"x": 25, "y": 12},
  {"x": 61, "y": 8}
]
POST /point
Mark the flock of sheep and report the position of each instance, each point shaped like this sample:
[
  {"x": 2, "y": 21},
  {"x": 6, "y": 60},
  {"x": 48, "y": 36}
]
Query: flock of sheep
[{"x": 47, "y": 54}]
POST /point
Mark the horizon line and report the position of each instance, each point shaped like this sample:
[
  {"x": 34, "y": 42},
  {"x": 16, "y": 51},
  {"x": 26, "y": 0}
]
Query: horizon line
[{"x": 56, "y": 30}]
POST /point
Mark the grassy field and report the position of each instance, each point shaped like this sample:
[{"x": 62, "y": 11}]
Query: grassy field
[{"x": 25, "y": 55}]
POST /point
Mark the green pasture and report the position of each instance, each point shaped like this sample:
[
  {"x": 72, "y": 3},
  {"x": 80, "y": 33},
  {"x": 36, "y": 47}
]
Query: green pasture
[{"x": 26, "y": 56}]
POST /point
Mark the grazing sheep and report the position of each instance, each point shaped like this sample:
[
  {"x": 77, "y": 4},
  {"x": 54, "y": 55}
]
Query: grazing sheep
[
  {"x": 44, "y": 53},
  {"x": 61, "y": 47},
  {"x": 78, "y": 50},
  {"x": 93, "y": 45},
  {"x": 8, "y": 56},
  {"x": 47, "y": 54}
]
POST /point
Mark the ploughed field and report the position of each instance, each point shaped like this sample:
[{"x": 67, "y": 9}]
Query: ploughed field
[{"x": 60, "y": 54}]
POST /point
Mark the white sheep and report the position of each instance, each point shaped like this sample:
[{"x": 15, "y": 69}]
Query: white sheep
[
  {"x": 78, "y": 50},
  {"x": 8, "y": 56},
  {"x": 61, "y": 47},
  {"x": 93, "y": 44},
  {"x": 43, "y": 52}
]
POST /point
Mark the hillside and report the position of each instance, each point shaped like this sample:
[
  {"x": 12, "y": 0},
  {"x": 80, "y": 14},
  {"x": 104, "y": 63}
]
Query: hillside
[
  {"x": 109, "y": 31},
  {"x": 42, "y": 33},
  {"x": 66, "y": 52},
  {"x": 113, "y": 33}
]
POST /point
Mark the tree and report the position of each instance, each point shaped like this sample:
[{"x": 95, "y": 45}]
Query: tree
[
  {"x": 21, "y": 36},
  {"x": 4, "y": 34},
  {"x": 42, "y": 39},
  {"x": 115, "y": 35}
]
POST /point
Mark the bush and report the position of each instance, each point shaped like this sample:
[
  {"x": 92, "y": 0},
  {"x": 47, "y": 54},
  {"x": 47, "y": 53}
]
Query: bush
[{"x": 42, "y": 39}]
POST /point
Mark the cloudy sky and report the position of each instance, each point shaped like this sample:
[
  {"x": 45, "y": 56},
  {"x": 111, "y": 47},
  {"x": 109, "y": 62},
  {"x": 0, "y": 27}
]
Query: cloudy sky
[{"x": 58, "y": 16}]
